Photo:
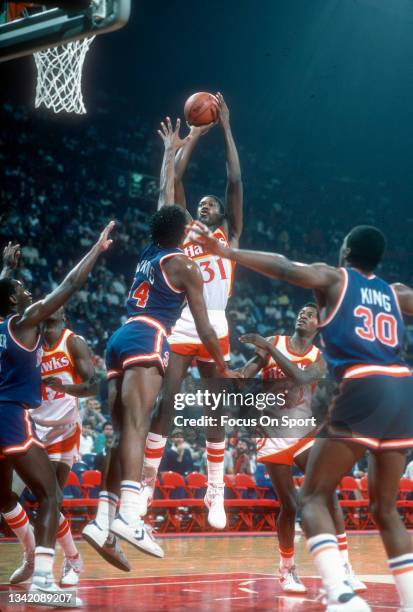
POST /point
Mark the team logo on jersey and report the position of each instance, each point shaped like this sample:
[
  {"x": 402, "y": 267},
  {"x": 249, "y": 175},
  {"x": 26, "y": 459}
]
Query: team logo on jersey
[
  {"x": 55, "y": 363},
  {"x": 166, "y": 359}
]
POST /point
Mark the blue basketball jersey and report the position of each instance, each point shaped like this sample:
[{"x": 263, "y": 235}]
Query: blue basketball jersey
[
  {"x": 20, "y": 369},
  {"x": 365, "y": 329},
  {"x": 152, "y": 294}
]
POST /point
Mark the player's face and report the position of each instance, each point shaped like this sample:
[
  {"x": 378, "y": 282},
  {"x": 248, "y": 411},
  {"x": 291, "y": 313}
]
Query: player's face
[
  {"x": 307, "y": 321},
  {"x": 209, "y": 211},
  {"x": 23, "y": 297}
]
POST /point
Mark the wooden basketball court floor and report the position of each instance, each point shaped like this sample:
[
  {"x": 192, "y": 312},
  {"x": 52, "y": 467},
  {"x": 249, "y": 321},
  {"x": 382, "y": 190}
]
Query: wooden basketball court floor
[{"x": 208, "y": 573}]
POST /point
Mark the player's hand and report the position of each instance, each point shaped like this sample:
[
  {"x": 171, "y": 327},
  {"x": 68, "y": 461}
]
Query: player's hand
[
  {"x": 104, "y": 241},
  {"x": 200, "y": 233},
  {"x": 200, "y": 130},
  {"x": 54, "y": 383},
  {"x": 11, "y": 255},
  {"x": 170, "y": 136},
  {"x": 227, "y": 373},
  {"x": 256, "y": 340},
  {"x": 223, "y": 110}
]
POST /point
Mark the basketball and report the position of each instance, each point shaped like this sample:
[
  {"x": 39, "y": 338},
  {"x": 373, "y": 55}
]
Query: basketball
[{"x": 201, "y": 109}]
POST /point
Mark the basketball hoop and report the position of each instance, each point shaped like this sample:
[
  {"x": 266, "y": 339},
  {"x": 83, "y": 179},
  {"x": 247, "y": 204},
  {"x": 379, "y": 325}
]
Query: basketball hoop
[{"x": 59, "y": 76}]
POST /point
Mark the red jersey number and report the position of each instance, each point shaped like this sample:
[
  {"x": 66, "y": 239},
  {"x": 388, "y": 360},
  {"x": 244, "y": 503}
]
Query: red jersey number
[
  {"x": 141, "y": 294},
  {"x": 210, "y": 272}
]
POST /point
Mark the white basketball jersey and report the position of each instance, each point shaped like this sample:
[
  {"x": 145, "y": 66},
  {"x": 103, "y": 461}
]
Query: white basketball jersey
[
  {"x": 218, "y": 276},
  {"x": 272, "y": 371},
  {"x": 57, "y": 408}
]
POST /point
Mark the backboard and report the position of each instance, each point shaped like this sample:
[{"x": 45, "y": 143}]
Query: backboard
[{"x": 56, "y": 26}]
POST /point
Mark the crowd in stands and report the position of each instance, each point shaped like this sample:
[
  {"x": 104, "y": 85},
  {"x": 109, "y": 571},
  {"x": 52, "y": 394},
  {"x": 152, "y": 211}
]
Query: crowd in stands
[{"x": 61, "y": 182}]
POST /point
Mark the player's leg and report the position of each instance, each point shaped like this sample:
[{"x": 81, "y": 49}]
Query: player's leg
[
  {"x": 160, "y": 427},
  {"x": 37, "y": 472},
  {"x": 215, "y": 448},
  {"x": 11, "y": 487},
  {"x": 140, "y": 387},
  {"x": 283, "y": 483},
  {"x": 385, "y": 471},
  {"x": 329, "y": 461},
  {"x": 96, "y": 533},
  {"x": 72, "y": 563},
  {"x": 338, "y": 518}
]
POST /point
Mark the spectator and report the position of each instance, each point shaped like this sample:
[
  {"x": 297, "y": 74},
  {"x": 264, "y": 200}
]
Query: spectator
[
  {"x": 93, "y": 411},
  {"x": 240, "y": 455},
  {"x": 87, "y": 440},
  {"x": 177, "y": 458},
  {"x": 102, "y": 457},
  {"x": 101, "y": 438}
]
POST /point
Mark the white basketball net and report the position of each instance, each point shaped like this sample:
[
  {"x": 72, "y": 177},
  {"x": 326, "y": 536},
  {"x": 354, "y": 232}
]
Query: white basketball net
[{"x": 59, "y": 76}]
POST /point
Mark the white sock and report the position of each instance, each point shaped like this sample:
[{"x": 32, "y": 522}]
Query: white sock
[
  {"x": 327, "y": 559},
  {"x": 402, "y": 569},
  {"x": 286, "y": 558},
  {"x": 43, "y": 560},
  {"x": 343, "y": 547},
  {"x": 154, "y": 448},
  {"x": 106, "y": 509},
  {"x": 65, "y": 538},
  {"x": 129, "y": 491},
  {"x": 18, "y": 521},
  {"x": 215, "y": 462}
]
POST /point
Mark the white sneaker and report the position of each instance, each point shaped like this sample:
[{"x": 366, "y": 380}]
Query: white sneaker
[
  {"x": 290, "y": 582},
  {"x": 106, "y": 545},
  {"x": 139, "y": 535},
  {"x": 43, "y": 582},
  {"x": 71, "y": 571},
  {"x": 353, "y": 581},
  {"x": 214, "y": 501},
  {"x": 25, "y": 570},
  {"x": 145, "y": 497},
  {"x": 348, "y": 601}
]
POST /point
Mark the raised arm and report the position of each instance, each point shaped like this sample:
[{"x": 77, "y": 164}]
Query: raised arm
[
  {"x": 253, "y": 366},
  {"x": 182, "y": 160},
  {"x": 405, "y": 297},
  {"x": 172, "y": 142},
  {"x": 11, "y": 256},
  {"x": 312, "y": 374},
  {"x": 40, "y": 311},
  {"x": 318, "y": 276},
  {"x": 234, "y": 192},
  {"x": 83, "y": 367}
]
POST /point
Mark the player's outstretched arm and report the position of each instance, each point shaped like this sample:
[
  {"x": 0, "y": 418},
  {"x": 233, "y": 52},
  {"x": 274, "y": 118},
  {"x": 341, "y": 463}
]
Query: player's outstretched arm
[
  {"x": 312, "y": 374},
  {"x": 84, "y": 368},
  {"x": 252, "y": 367},
  {"x": 182, "y": 160},
  {"x": 405, "y": 297},
  {"x": 234, "y": 192},
  {"x": 41, "y": 310},
  {"x": 11, "y": 256},
  {"x": 310, "y": 276},
  {"x": 172, "y": 142}
]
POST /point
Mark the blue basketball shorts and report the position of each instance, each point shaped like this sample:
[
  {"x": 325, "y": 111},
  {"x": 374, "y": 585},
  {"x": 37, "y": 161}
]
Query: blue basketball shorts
[
  {"x": 141, "y": 341},
  {"x": 17, "y": 430},
  {"x": 376, "y": 411}
]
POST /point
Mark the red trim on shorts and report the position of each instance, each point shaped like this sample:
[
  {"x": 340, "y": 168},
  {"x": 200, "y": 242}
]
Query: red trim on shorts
[
  {"x": 363, "y": 370},
  {"x": 198, "y": 351},
  {"x": 286, "y": 456},
  {"x": 65, "y": 446}
]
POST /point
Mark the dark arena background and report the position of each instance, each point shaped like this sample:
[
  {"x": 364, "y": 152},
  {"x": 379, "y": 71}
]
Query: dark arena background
[{"x": 320, "y": 96}]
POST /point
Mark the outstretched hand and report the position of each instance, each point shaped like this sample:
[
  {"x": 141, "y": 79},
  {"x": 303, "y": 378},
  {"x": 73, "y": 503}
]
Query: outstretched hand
[
  {"x": 200, "y": 233},
  {"x": 54, "y": 382},
  {"x": 170, "y": 136},
  {"x": 255, "y": 339},
  {"x": 223, "y": 110},
  {"x": 104, "y": 241},
  {"x": 227, "y": 373},
  {"x": 11, "y": 255}
]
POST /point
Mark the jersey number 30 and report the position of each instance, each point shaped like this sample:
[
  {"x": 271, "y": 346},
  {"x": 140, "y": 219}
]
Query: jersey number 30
[{"x": 382, "y": 327}]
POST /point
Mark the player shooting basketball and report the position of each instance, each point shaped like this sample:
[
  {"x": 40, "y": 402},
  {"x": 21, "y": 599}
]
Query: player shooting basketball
[
  {"x": 137, "y": 356},
  {"x": 186, "y": 345}
]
